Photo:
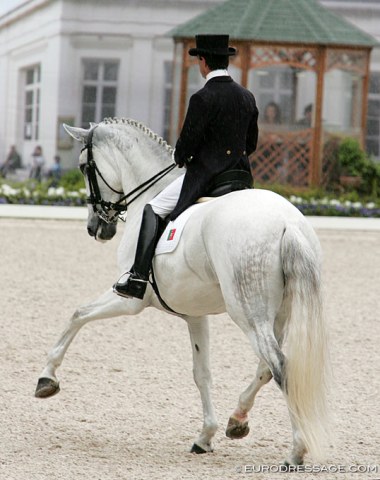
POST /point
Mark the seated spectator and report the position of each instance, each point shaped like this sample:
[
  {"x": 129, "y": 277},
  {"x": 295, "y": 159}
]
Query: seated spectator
[
  {"x": 272, "y": 114},
  {"x": 307, "y": 118},
  {"x": 38, "y": 161},
  {"x": 55, "y": 172},
  {"x": 12, "y": 162}
]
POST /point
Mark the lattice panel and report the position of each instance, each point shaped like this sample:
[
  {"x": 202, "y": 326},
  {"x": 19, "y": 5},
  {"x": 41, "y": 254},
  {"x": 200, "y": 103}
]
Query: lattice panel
[
  {"x": 349, "y": 60},
  {"x": 283, "y": 158},
  {"x": 265, "y": 56}
]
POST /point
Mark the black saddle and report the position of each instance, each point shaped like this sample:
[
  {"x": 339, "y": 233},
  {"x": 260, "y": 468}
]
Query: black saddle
[{"x": 230, "y": 181}]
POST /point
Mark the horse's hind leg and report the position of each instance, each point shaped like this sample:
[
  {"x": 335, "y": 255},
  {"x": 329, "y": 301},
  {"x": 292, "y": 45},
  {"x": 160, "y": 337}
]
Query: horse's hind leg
[
  {"x": 266, "y": 343},
  {"x": 199, "y": 336},
  {"x": 107, "y": 306},
  {"x": 266, "y": 338},
  {"x": 238, "y": 423}
]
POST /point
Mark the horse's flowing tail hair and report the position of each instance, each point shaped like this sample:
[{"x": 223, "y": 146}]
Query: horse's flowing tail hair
[{"x": 306, "y": 372}]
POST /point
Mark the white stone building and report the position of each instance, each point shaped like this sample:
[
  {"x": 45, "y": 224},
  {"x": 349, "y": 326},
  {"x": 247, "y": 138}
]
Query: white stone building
[{"x": 77, "y": 61}]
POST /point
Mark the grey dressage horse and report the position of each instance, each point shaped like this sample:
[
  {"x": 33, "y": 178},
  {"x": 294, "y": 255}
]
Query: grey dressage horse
[{"x": 251, "y": 254}]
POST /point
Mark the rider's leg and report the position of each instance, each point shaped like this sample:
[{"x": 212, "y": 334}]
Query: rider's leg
[
  {"x": 158, "y": 208},
  {"x": 137, "y": 281},
  {"x": 163, "y": 204}
]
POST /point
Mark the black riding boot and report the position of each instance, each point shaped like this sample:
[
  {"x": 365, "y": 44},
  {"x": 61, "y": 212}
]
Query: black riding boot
[{"x": 137, "y": 282}]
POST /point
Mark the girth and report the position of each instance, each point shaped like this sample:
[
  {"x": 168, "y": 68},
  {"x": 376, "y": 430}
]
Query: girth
[{"x": 230, "y": 181}]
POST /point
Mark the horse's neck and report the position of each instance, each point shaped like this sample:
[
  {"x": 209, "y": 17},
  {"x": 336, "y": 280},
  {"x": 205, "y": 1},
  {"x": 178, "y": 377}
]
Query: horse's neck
[{"x": 146, "y": 158}]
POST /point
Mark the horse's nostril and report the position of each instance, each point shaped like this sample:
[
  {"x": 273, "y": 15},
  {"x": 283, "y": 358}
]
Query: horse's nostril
[{"x": 91, "y": 232}]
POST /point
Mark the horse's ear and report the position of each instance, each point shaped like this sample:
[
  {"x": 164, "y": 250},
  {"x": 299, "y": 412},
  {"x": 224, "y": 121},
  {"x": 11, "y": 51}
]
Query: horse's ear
[{"x": 79, "y": 134}]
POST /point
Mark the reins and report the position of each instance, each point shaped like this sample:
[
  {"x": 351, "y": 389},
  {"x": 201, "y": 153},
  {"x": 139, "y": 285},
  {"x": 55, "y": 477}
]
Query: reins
[{"x": 102, "y": 207}]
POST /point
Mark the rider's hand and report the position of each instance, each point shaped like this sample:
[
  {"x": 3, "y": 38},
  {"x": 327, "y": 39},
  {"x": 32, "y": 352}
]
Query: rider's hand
[{"x": 181, "y": 162}]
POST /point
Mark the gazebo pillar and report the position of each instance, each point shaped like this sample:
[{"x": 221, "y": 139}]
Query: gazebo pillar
[
  {"x": 316, "y": 158},
  {"x": 245, "y": 53},
  {"x": 183, "y": 88},
  {"x": 365, "y": 100}
]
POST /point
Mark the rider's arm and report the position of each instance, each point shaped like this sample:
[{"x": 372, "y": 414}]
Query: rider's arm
[
  {"x": 252, "y": 133},
  {"x": 193, "y": 130}
]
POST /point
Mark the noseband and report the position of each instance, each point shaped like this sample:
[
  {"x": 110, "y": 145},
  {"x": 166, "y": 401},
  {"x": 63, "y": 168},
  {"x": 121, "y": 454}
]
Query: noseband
[{"x": 110, "y": 212}]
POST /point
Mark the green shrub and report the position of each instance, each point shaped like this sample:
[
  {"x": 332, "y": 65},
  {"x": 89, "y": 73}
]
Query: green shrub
[
  {"x": 352, "y": 159},
  {"x": 72, "y": 180}
]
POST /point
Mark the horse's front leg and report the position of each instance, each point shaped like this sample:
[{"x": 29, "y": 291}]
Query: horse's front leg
[
  {"x": 107, "y": 306},
  {"x": 199, "y": 336}
]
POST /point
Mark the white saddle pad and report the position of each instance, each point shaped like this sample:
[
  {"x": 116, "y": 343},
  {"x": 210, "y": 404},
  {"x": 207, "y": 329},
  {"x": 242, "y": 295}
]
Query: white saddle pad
[{"x": 173, "y": 231}]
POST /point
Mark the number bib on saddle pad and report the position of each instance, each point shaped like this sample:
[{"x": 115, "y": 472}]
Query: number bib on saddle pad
[{"x": 173, "y": 231}]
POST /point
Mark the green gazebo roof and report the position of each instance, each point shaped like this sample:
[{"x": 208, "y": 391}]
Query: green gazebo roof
[{"x": 276, "y": 21}]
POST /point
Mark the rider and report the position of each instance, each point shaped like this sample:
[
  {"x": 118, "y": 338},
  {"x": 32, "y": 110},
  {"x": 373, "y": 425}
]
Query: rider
[{"x": 219, "y": 133}]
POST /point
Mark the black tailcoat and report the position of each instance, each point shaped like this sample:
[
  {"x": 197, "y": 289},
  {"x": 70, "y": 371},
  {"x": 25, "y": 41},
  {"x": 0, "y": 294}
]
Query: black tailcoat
[{"x": 219, "y": 132}]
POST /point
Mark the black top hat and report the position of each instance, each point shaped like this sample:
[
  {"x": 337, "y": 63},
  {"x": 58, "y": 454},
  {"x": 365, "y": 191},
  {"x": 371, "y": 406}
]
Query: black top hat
[{"x": 212, "y": 44}]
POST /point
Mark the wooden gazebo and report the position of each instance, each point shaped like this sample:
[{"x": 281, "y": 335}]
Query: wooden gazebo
[{"x": 297, "y": 57}]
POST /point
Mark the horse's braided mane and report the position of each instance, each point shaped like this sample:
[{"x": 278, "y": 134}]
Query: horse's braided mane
[{"x": 140, "y": 126}]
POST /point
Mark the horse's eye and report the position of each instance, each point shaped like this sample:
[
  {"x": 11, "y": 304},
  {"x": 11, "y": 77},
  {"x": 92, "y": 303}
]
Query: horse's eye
[{"x": 83, "y": 168}]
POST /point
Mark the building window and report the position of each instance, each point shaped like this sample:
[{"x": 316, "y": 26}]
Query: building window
[
  {"x": 32, "y": 102},
  {"x": 274, "y": 84},
  {"x": 373, "y": 117},
  {"x": 99, "y": 90}
]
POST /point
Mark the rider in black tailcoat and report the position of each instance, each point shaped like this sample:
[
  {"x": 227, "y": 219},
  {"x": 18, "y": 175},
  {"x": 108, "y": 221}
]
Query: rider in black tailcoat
[{"x": 219, "y": 132}]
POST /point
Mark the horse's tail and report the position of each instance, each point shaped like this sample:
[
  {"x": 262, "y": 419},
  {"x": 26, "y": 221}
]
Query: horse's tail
[{"x": 306, "y": 341}]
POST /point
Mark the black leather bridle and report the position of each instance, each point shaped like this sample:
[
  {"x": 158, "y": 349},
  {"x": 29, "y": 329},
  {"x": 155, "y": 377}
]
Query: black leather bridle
[{"x": 110, "y": 212}]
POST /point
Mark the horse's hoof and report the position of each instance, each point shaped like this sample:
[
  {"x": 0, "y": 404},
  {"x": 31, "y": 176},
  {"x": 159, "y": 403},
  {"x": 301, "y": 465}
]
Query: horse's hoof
[
  {"x": 197, "y": 449},
  {"x": 46, "y": 387},
  {"x": 236, "y": 429}
]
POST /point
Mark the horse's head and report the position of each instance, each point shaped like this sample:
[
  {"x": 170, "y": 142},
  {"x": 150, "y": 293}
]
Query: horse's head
[
  {"x": 117, "y": 155},
  {"x": 101, "y": 183}
]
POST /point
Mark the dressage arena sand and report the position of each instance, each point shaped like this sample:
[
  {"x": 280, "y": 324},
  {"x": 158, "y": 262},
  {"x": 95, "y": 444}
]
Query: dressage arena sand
[{"x": 128, "y": 408}]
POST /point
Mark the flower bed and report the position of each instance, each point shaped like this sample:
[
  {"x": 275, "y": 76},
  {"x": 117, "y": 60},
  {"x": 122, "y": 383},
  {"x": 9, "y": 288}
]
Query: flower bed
[
  {"x": 25, "y": 195},
  {"x": 336, "y": 208},
  {"x": 319, "y": 205}
]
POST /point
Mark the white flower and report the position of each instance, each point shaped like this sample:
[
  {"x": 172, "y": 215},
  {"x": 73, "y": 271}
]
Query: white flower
[
  {"x": 9, "y": 191},
  {"x": 347, "y": 203},
  {"x": 371, "y": 205},
  {"x": 73, "y": 194},
  {"x": 357, "y": 205},
  {"x": 334, "y": 202},
  {"x": 295, "y": 199}
]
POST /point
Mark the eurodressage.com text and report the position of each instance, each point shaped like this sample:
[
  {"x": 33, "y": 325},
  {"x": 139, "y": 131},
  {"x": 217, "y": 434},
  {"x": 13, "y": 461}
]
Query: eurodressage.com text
[{"x": 308, "y": 468}]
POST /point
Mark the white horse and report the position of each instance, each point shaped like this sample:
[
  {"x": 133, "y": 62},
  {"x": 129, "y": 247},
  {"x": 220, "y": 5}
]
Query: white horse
[{"x": 250, "y": 253}]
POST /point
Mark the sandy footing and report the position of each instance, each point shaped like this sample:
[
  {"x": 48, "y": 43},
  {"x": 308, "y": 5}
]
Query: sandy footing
[{"x": 129, "y": 408}]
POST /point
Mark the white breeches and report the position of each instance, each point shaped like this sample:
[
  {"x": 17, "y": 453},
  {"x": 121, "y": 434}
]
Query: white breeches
[{"x": 163, "y": 204}]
